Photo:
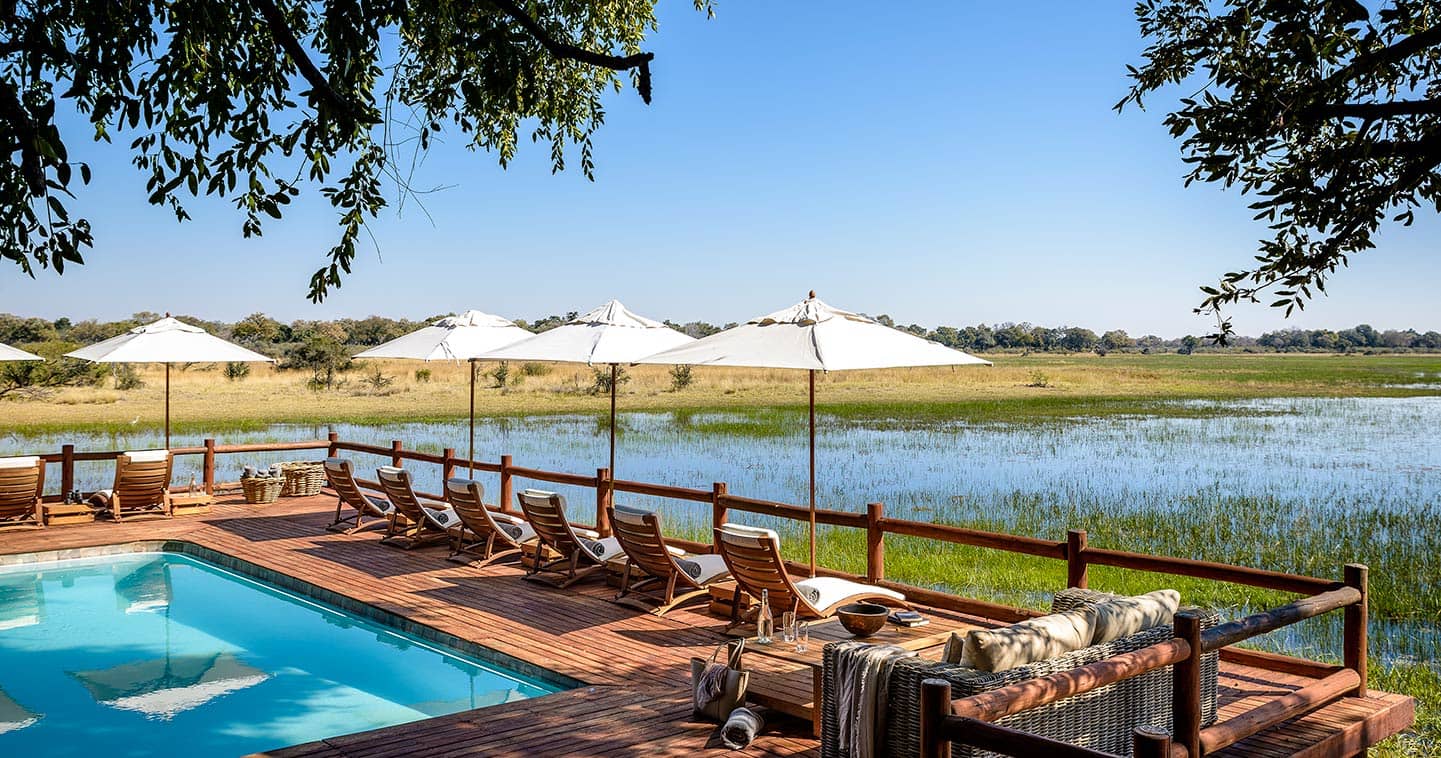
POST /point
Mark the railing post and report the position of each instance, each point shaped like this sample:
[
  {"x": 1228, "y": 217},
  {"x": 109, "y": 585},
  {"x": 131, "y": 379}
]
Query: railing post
[
  {"x": 333, "y": 437},
  {"x": 395, "y": 448},
  {"x": 935, "y": 707},
  {"x": 209, "y": 472},
  {"x": 602, "y": 500},
  {"x": 447, "y": 469},
  {"x": 875, "y": 542},
  {"x": 506, "y": 496},
  {"x": 1186, "y": 686},
  {"x": 1354, "y": 624},
  {"x": 1150, "y": 742},
  {"x": 67, "y": 470},
  {"x": 718, "y": 492},
  {"x": 1076, "y": 558}
]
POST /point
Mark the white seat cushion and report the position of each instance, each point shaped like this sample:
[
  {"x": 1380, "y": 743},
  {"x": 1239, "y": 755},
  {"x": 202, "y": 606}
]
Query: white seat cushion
[
  {"x": 443, "y": 517},
  {"x": 603, "y": 550},
  {"x": 825, "y": 591},
  {"x": 1036, "y": 639},
  {"x": 379, "y": 504},
  {"x": 516, "y": 528},
  {"x": 750, "y": 536},
  {"x": 24, "y": 461},
  {"x": 1124, "y": 616},
  {"x": 703, "y": 569},
  {"x": 146, "y": 456}
]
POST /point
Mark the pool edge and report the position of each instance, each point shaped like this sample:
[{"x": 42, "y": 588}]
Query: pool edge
[{"x": 308, "y": 590}]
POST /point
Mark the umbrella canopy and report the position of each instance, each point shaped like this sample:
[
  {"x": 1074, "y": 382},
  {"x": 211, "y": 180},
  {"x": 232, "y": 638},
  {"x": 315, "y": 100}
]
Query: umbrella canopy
[
  {"x": 167, "y": 341},
  {"x": 163, "y": 688},
  {"x": 813, "y": 336},
  {"x": 610, "y": 334},
  {"x": 454, "y": 338},
  {"x": 8, "y": 353}
]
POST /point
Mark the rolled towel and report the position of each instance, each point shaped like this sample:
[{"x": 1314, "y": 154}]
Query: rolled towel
[
  {"x": 248, "y": 473},
  {"x": 741, "y": 728}
]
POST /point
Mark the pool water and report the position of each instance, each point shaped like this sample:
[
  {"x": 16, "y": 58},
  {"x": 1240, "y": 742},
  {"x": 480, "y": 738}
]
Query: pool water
[{"x": 156, "y": 654}]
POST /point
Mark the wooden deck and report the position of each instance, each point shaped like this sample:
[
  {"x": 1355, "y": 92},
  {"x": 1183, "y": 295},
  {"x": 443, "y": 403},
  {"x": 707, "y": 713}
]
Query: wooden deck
[{"x": 635, "y": 667}]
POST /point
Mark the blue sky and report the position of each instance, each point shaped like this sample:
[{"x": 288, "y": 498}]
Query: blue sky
[{"x": 949, "y": 163}]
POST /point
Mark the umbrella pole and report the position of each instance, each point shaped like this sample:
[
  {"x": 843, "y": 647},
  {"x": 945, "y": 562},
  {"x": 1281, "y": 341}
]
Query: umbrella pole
[
  {"x": 167, "y": 406},
  {"x": 471, "y": 455},
  {"x": 613, "y": 372},
  {"x": 813, "y": 469}
]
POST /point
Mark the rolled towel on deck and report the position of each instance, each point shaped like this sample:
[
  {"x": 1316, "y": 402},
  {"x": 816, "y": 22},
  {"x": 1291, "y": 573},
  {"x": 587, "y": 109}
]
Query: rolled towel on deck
[{"x": 741, "y": 729}]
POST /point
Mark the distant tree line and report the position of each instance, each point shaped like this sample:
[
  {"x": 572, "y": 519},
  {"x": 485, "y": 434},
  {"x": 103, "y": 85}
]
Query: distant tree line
[{"x": 307, "y": 343}]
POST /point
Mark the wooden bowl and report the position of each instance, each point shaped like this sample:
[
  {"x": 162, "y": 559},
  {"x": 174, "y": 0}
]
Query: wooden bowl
[{"x": 863, "y": 619}]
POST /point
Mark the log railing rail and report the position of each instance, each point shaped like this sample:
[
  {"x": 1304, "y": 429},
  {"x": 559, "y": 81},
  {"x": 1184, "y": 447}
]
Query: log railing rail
[{"x": 970, "y": 720}]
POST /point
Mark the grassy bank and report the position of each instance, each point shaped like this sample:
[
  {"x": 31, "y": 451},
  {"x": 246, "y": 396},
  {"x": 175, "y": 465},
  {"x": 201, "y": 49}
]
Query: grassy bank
[{"x": 1017, "y": 388}]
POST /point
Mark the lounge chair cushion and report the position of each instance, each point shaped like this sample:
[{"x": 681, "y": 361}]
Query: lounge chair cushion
[
  {"x": 148, "y": 456},
  {"x": 629, "y": 515},
  {"x": 1124, "y": 616},
  {"x": 1033, "y": 640},
  {"x": 516, "y": 528},
  {"x": 24, "y": 461},
  {"x": 602, "y": 549},
  {"x": 747, "y": 535},
  {"x": 703, "y": 568},
  {"x": 825, "y": 591},
  {"x": 440, "y": 514},
  {"x": 379, "y": 504}
]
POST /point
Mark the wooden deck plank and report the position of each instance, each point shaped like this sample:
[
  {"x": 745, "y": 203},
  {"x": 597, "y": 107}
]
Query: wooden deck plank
[{"x": 635, "y": 666}]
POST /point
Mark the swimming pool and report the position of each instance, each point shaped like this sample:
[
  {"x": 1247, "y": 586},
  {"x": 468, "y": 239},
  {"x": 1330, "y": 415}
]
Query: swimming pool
[{"x": 164, "y": 654}]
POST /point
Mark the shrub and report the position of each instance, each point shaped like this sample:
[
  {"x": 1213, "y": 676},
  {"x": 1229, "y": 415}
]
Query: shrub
[
  {"x": 1039, "y": 379},
  {"x": 534, "y": 369},
  {"x": 236, "y": 371},
  {"x": 601, "y": 386},
  {"x": 377, "y": 380},
  {"x": 422, "y": 376},
  {"x": 126, "y": 377},
  {"x": 323, "y": 355},
  {"x": 500, "y": 374},
  {"x": 680, "y": 377}
]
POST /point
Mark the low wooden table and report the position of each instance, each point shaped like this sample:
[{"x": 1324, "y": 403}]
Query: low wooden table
[
  {"x": 190, "y": 503},
  {"x": 787, "y": 700}
]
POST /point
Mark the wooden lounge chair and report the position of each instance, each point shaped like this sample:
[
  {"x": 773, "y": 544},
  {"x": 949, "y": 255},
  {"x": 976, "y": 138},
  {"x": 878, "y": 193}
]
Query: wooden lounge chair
[
  {"x": 341, "y": 477},
  {"x": 142, "y": 487},
  {"x": 546, "y": 513},
  {"x": 482, "y": 529},
  {"x": 22, "y": 482},
  {"x": 415, "y": 521},
  {"x": 639, "y": 534},
  {"x": 754, "y": 557}
]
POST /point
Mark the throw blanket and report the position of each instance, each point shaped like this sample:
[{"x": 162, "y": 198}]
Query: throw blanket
[
  {"x": 862, "y": 672},
  {"x": 741, "y": 728},
  {"x": 712, "y": 682}
]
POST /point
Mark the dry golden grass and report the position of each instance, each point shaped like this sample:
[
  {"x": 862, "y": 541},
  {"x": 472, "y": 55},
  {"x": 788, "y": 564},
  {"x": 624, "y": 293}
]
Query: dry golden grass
[{"x": 201, "y": 395}]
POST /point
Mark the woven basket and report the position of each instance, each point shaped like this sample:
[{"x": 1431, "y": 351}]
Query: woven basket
[
  {"x": 262, "y": 489},
  {"x": 302, "y": 478}
]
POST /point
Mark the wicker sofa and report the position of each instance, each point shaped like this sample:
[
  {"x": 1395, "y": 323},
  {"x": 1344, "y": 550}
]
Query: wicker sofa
[{"x": 1102, "y": 719}]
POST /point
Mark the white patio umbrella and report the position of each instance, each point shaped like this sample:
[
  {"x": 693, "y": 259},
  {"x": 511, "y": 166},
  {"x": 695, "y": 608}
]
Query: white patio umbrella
[
  {"x": 167, "y": 341},
  {"x": 813, "y": 336},
  {"x": 610, "y": 334},
  {"x": 454, "y": 338},
  {"x": 8, "y": 353}
]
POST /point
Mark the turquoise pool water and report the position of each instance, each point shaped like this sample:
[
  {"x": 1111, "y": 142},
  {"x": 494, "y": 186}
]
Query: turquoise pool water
[{"x": 158, "y": 654}]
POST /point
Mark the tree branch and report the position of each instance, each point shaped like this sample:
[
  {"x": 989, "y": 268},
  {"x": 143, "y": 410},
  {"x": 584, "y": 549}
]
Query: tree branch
[
  {"x": 568, "y": 51},
  {"x": 13, "y": 112},
  {"x": 1397, "y": 52},
  {"x": 1430, "y": 106},
  {"x": 285, "y": 37}
]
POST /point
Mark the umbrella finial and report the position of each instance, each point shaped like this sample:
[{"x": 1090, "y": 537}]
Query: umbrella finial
[{"x": 812, "y": 295}]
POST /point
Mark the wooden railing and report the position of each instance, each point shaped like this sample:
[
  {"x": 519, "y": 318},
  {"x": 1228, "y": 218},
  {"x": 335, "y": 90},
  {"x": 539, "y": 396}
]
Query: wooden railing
[{"x": 970, "y": 720}]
